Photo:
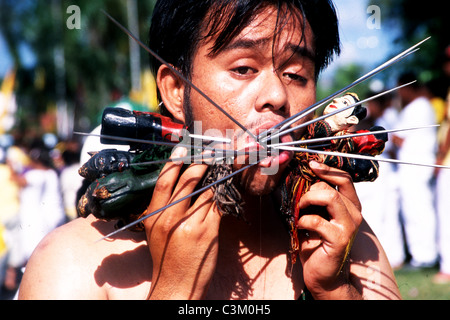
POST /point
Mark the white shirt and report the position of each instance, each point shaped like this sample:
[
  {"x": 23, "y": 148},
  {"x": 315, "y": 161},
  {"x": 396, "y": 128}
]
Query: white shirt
[{"x": 418, "y": 145}]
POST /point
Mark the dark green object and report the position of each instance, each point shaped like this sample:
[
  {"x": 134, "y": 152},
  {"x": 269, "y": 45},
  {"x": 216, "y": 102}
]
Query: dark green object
[{"x": 121, "y": 190}]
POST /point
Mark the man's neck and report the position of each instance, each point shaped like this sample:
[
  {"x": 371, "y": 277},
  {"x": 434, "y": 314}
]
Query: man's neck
[
  {"x": 254, "y": 254},
  {"x": 261, "y": 224}
]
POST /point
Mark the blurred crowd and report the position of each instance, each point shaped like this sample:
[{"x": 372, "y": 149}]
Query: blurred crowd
[
  {"x": 40, "y": 180},
  {"x": 408, "y": 206}
]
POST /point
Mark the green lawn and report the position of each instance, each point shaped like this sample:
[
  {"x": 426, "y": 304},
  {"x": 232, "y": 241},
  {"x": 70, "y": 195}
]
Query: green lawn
[{"x": 418, "y": 285}]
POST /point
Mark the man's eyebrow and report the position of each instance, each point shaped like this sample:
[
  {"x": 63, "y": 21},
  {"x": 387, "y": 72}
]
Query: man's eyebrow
[
  {"x": 303, "y": 51},
  {"x": 298, "y": 50},
  {"x": 246, "y": 44}
]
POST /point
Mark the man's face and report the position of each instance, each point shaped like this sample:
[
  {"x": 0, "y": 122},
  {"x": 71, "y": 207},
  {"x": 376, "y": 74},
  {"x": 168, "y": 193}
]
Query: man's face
[{"x": 259, "y": 82}]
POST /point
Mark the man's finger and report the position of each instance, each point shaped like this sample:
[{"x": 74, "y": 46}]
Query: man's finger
[
  {"x": 338, "y": 178},
  {"x": 166, "y": 181}
]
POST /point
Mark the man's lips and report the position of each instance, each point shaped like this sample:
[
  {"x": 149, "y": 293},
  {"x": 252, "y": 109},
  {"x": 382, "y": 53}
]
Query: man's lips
[
  {"x": 267, "y": 153},
  {"x": 279, "y": 157}
]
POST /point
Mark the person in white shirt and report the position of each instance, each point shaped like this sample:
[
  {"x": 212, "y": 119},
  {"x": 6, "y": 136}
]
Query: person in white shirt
[
  {"x": 380, "y": 198},
  {"x": 415, "y": 182},
  {"x": 41, "y": 207}
]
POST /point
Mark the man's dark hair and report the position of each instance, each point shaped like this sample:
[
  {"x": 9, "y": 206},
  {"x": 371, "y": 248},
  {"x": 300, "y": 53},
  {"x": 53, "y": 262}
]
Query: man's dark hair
[{"x": 177, "y": 26}]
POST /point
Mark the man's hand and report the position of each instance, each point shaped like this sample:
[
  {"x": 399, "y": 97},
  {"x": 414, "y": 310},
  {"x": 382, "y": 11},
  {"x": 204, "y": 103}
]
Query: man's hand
[
  {"x": 183, "y": 239},
  {"x": 326, "y": 239}
]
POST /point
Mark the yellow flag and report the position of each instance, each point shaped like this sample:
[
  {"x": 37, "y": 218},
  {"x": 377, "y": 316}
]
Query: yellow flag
[
  {"x": 2, "y": 241},
  {"x": 7, "y": 101},
  {"x": 8, "y": 83}
]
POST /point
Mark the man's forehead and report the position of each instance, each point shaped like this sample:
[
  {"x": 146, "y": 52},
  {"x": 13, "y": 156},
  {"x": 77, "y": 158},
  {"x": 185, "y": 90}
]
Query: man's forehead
[{"x": 265, "y": 29}]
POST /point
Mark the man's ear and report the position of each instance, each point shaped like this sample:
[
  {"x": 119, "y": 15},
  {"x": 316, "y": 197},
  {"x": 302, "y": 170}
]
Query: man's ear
[{"x": 171, "y": 88}]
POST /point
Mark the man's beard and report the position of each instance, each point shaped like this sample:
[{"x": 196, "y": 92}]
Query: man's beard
[
  {"x": 226, "y": 194},
  {"x": 187, "y": 108}
]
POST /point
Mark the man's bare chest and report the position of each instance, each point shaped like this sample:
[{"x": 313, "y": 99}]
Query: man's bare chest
[{"x": 257, "y": 278}]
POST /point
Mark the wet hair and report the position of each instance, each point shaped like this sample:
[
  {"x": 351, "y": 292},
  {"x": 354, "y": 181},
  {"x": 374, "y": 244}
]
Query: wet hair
[{"x": 177, "y": 27}]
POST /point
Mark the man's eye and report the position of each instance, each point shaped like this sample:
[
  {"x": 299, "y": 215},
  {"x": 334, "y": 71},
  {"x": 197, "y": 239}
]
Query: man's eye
[
  {"x": 243, "y": 70},
  {"x": 297, "y": 78}
]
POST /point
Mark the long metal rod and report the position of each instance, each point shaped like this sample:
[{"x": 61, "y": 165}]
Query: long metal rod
[
  {"x": 368, "y": 75},
  {"x": 287, "y": 122},
  {"x": 190, "y": 159},
  {"x": 359, "y": 156},
  {"x": 178, "y": 73},
  {"x": 177, "y": 201},
  {"x": 159, "y": 143},
  {"x": 360, "y": 134},
  {"x": 192, "y": 136},
  {"x": 185, "y": 159},
  {"x": 286, "y": 131},
  {"x": 220, "y": 154}
]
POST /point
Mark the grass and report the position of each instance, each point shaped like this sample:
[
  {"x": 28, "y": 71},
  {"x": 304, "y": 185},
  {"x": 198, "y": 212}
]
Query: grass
[{"x": 418, "y": 285}]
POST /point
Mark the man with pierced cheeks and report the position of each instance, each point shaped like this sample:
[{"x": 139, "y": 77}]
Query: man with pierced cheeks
[{"x": 259, "y": 60}]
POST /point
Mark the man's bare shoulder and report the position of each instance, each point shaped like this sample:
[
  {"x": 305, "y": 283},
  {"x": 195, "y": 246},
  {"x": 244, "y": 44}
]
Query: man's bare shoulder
[{"x": 69, "y": 263}]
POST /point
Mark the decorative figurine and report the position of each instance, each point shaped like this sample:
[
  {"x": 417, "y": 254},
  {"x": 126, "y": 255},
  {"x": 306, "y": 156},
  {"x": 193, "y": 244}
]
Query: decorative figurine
[{"x": 300, "y": 177}]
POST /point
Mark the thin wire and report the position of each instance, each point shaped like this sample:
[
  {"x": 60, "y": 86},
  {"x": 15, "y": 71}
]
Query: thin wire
[
  {"x": 287, "y": 122},
  {"x": 359, "y": 134},
  {"x": 359, "y": 156},
  {"x": 162, "y": 143},
  {"x": 286, "y": 131},
  {"x": 187, "y": 81},
  {"x": 177, "y": 201}
]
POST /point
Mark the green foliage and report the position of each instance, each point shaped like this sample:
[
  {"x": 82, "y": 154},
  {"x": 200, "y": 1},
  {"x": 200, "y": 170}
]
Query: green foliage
[
  {"x": 96, "y": 56},
  {"x": 417, "y": 20},
  {"x": 418, "y": 285},
  {"x": 343, "y": 76}
]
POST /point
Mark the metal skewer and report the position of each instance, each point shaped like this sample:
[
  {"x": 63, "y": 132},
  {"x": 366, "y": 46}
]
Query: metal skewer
[
  {"x": 314, "y": 140},
  {"x": 286, "y": 131},
  {"x": 359, "y": 156},
  {"x": 219, "y": 154},
  {"x": 178, "y": 73},
  {"x": 287, "y": 122},
  {"x": 215, "y": 157},
  {"x": 177, "y": 201},
  {"x": 160, "y": 143},
  {"x": 126, "y": 139}
]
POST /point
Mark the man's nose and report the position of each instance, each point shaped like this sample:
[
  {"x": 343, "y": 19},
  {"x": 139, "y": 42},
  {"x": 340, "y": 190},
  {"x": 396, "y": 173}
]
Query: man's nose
[{"x": 273, "y": 94}]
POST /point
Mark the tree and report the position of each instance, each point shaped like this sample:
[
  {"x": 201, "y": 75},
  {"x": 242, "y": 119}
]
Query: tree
[
  {"x": 417, "y": 20},
  {"x": 86, "y": 64}
]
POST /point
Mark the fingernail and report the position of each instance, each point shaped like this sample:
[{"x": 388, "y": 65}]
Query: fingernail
[
  {"x": 178, "y": 153},
  {"x": 314, "y": 165}
]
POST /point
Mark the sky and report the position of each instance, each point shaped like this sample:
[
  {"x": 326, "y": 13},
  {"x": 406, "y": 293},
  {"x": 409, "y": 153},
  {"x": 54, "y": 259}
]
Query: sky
[
  {"x": 363, "y": 38},
  {"x": 5, "y": 58},
  {"x": 6, "y": 62}
]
